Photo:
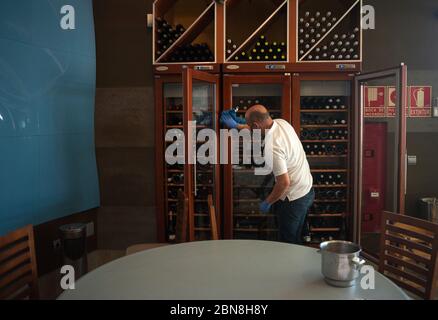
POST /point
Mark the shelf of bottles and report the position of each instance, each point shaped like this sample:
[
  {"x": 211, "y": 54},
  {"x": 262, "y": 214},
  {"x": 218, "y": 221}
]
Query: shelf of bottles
[
  {"x": 250, "y": 189},
  {"x": 184, "y": 33},
  {"x": 325, "y": 134},
  {"x": 204, "y": 113},
  {"x": 329, "y": 30},
  {"x": 174, "y": 174},
  {"x": 249, "y": 41}
]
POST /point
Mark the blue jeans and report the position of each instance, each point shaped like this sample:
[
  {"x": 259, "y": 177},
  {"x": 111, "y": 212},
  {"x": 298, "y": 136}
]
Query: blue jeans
[{"x": 291, "y": 217}]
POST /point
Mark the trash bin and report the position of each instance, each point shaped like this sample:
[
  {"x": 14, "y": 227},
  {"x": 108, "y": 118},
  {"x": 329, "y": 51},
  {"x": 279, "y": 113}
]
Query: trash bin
[
  {"x": 74, "y": 247},
  {"x": 429, "y": 209}
]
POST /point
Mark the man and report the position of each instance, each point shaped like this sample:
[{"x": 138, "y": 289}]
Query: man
[{"x": 293, "y": 192}]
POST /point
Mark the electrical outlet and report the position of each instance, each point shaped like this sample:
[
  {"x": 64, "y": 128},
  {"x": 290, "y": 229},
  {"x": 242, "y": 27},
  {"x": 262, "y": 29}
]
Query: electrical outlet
[
  {"x": 90, "y": 229},
  {"x": 57, "y": 244}
]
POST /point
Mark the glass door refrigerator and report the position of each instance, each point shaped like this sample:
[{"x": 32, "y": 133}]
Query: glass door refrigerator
[{"x": 243, "y": 189}]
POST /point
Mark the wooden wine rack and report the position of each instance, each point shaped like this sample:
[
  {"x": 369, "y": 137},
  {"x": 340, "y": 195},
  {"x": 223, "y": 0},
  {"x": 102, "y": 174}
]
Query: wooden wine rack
[
  {"x": 279, "y": 10},
  {"x": 347, "y": 15},
  {"x": 333, "y": 224},
  {"x": 196, "y": 17},
  {"x": 216, "y": 22}
]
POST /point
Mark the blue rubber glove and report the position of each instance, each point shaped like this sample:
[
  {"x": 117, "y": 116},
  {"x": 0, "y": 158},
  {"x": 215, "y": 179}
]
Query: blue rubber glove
[
  {"x": 265, "y": 207},
  {"x": 239, "y": 120},
  {"x": 227, "y": 120}
]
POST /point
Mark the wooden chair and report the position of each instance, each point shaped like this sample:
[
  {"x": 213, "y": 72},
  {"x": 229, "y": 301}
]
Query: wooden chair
[
  {"x": 408, "y": 253},
  {"x": 181, "y": 227},
  {"x": 18, "y": 269},
  {"x": 213, "y": 223}
]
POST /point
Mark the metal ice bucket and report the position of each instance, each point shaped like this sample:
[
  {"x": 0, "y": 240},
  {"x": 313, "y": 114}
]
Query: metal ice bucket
[{"x": 340, "y": 262}]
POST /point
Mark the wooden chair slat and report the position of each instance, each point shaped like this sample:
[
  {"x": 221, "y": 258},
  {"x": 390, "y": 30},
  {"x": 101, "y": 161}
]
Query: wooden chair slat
[
  {"x": 421, "y": 271},
  {"x": 213, "y": 223},
  {"x": 421, "y": 282},
  {"x": 14, "y": 236},
  {"x": 418, "y": 223},
  {"x": 7, "y": 253},
  {"x": 14, "y": 263},
  {"x": 409, "y": 254},
  {"x": 8, "y": 292},
  {"x": 18, "y": 264},
  {"x": 408, "y": 243},
  {"x": 15, "y": 274},
  {"x": 410, "y": 233},
  {"x": 406, "y": 286}
]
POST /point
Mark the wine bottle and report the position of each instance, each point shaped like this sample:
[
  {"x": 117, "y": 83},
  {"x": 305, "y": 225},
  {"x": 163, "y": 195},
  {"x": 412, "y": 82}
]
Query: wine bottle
[
  {"x": 323, "y": 135},
  {"x": 339, "y": 194},
  {"x": 330, "y": 195},
  {"x": 340, "y": 150},
  {"x": 171, "y": 228},
  {"x": 176, "y": 178}
]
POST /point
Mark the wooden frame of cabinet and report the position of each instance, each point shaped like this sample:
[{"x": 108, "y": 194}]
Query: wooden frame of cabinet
[
  {"x": 291, "y": 72},
  {"x": 188, "y": 76}
]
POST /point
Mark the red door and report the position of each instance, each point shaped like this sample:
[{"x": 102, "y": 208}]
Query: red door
[{"x": 374, "y": 179}]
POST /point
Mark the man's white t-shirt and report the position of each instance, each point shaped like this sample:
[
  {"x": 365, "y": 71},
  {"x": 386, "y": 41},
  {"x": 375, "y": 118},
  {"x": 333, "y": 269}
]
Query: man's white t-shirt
[{"x": 289, "y": 157}]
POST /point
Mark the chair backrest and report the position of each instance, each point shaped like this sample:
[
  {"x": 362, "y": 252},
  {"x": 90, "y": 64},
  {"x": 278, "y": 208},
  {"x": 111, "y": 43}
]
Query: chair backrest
[
  {"x": 213, "y": 223},
  {"x": 408, "y": 253},
  {"x": 182, "y": 218},
  {"x": 18, "y": 270}
]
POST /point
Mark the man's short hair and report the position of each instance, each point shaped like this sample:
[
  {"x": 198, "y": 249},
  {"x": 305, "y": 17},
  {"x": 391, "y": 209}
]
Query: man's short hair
[{"x": 258, "y": 116}]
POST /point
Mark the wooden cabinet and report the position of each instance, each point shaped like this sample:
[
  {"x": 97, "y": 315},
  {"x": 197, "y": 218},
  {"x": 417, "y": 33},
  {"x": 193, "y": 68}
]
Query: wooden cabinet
[
  {"x": 287, "y": 36},
  {"x": 286, "y": 80},
  {"x": 182, "y": 101}
]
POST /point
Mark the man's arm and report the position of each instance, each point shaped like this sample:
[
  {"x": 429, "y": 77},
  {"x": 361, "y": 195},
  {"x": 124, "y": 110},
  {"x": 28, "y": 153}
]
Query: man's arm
[{"x": 280, "y": 188}]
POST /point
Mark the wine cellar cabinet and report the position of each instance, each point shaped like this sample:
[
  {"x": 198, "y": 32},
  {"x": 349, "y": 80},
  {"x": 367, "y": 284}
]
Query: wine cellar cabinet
[
  {"x": 297, "y": 57},
  {"x": 323, "y": 105},
  {"x": 192, "y": 98}
]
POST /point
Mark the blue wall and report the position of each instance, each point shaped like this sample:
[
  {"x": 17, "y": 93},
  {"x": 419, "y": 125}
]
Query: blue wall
[{"x": 47, "y": 87}]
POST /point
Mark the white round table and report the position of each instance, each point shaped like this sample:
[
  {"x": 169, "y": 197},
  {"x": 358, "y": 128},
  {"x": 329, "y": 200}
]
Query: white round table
[{"x": 222, "y": 270}]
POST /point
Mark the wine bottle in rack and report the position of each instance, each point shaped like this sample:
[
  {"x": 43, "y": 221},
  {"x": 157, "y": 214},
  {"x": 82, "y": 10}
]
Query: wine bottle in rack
[
  {"x": 339, "y": 195},
  {"x": 176, "y": 178},
  {"x": 171, "y": 228},
  {"x": 173, "y": 193}
]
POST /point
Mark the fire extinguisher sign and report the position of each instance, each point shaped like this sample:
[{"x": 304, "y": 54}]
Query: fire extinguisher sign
[{"x": 420, "y": 101}]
